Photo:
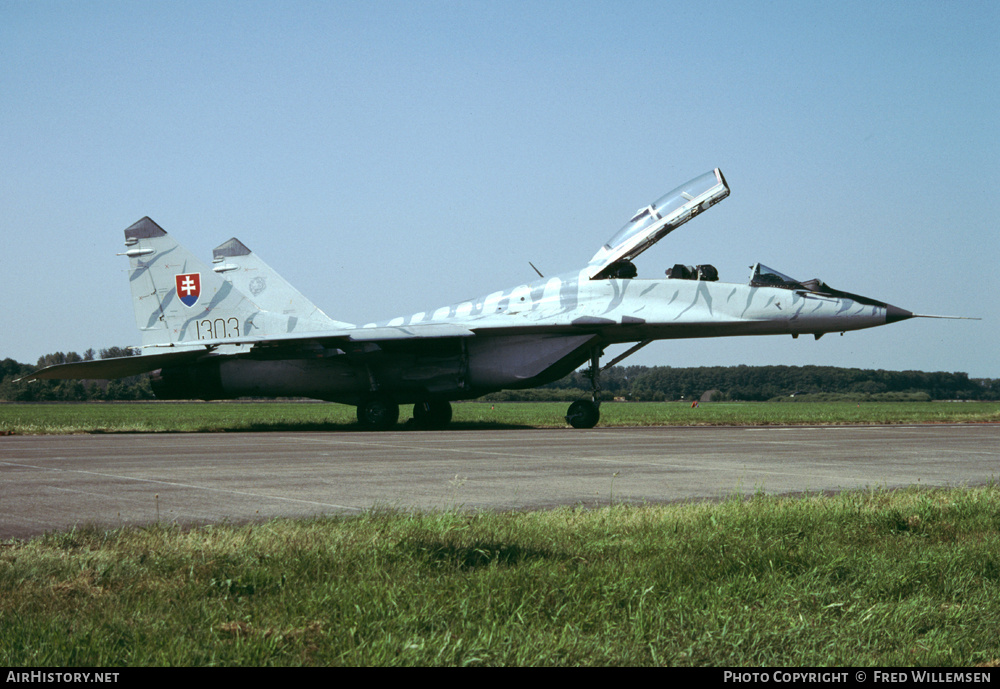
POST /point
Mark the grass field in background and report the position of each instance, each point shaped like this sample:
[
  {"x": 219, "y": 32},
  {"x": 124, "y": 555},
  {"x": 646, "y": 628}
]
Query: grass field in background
[{"x": 147, "y": 417}]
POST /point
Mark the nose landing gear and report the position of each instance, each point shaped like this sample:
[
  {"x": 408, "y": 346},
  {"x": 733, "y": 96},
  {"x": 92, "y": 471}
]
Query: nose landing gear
[{"x": 586, "y": 413}]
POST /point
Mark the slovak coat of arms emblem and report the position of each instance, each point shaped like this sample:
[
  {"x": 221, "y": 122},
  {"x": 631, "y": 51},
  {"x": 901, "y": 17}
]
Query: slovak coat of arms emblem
[{"x": 188, "y": 288}]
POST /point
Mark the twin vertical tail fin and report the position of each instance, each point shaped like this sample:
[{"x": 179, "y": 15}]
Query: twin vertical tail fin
[
  {"x": 249, "y": 274},
  {"x": 179, "y": 300}
]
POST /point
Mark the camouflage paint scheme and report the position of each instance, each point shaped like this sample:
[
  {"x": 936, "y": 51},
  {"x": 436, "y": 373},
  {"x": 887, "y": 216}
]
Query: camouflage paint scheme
[{"x": 250, "y": 333}]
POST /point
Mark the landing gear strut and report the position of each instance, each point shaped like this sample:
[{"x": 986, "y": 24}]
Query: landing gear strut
[
  {"x": 378, "y": 412},
  {"x": 432, "y": 415},
  {"x": 586, "y": 413}
]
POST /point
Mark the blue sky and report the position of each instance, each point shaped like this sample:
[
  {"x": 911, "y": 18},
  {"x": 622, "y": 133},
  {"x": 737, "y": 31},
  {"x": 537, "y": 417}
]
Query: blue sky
[{"x": 387, "y": 157}]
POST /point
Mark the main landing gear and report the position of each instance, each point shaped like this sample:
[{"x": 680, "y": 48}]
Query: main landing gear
[
  {"x": 431, "y": 415},
  {"x": 380, "y": 412}
]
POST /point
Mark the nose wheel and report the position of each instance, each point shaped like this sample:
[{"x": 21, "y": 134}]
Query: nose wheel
[
  {"x": 583, "y": 414},
  {"x": 586, "y": 413}
]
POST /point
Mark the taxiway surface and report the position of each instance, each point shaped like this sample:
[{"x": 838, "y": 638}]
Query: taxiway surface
[{"x": 57, "y": 482}]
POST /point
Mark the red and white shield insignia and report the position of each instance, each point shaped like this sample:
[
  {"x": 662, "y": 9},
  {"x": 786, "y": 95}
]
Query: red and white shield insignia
[{"x": 188, "y": 287}]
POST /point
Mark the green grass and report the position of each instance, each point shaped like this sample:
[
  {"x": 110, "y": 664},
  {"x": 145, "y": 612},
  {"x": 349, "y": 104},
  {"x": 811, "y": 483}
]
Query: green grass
[
  {"x": 291, "y": 416},
  {"x": 867, "y": 578}
]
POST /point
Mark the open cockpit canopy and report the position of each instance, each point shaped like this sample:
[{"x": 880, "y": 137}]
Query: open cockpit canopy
[{"x": 651, "y": 224}]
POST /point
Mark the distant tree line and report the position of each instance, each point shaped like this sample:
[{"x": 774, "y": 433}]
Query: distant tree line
[
  {"x": 131, "y": 388},
  {"x": 760, "y": 383},
  {"x": 639, "y": 383}
]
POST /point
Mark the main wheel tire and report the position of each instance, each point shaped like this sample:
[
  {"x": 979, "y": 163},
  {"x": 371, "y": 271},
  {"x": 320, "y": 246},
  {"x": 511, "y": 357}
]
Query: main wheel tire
[
  {"x": 583, "y": 414},
  {"x": 432, "y": 415},
  {"x": 378, "y": 413}
]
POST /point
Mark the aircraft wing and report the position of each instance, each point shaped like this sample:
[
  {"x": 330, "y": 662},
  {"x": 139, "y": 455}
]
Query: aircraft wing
[{"x": 188, "y": 352}]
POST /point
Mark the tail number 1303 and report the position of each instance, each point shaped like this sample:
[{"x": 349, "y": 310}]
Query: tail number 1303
[{"x": 218, "y": 329}]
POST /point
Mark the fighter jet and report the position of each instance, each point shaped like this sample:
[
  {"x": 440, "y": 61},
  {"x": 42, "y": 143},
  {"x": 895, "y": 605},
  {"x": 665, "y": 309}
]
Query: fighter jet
[{"x": 239, "y": 329}]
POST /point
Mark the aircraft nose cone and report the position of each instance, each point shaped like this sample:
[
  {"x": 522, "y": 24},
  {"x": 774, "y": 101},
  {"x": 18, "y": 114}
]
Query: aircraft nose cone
[{"x": 894, "y": 313}]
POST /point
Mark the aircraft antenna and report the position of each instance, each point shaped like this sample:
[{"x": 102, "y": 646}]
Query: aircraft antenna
[
  {"x": 536, "y": 269},
  {"x": 953, "y": 318}
]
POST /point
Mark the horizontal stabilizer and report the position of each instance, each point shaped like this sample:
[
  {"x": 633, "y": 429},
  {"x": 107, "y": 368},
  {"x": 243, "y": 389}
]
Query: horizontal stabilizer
[{"x": 118, "y": 367}]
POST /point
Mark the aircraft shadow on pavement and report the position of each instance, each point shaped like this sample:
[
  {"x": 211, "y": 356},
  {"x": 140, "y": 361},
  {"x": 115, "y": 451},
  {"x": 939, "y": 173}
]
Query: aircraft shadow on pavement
[{"x": 332, "y": 427}]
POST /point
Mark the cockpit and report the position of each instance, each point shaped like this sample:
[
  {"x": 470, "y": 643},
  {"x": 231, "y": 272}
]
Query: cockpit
[
  {"x": 768, "y": 277},
  {"x": 650, "y": 224},
  {"x": 762, "y": 277}
]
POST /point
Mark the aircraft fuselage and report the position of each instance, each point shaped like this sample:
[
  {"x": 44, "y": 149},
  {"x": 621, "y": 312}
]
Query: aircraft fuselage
[
  {"x": 639, "y": 309},
  {"x": 524, "y": 337}
]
